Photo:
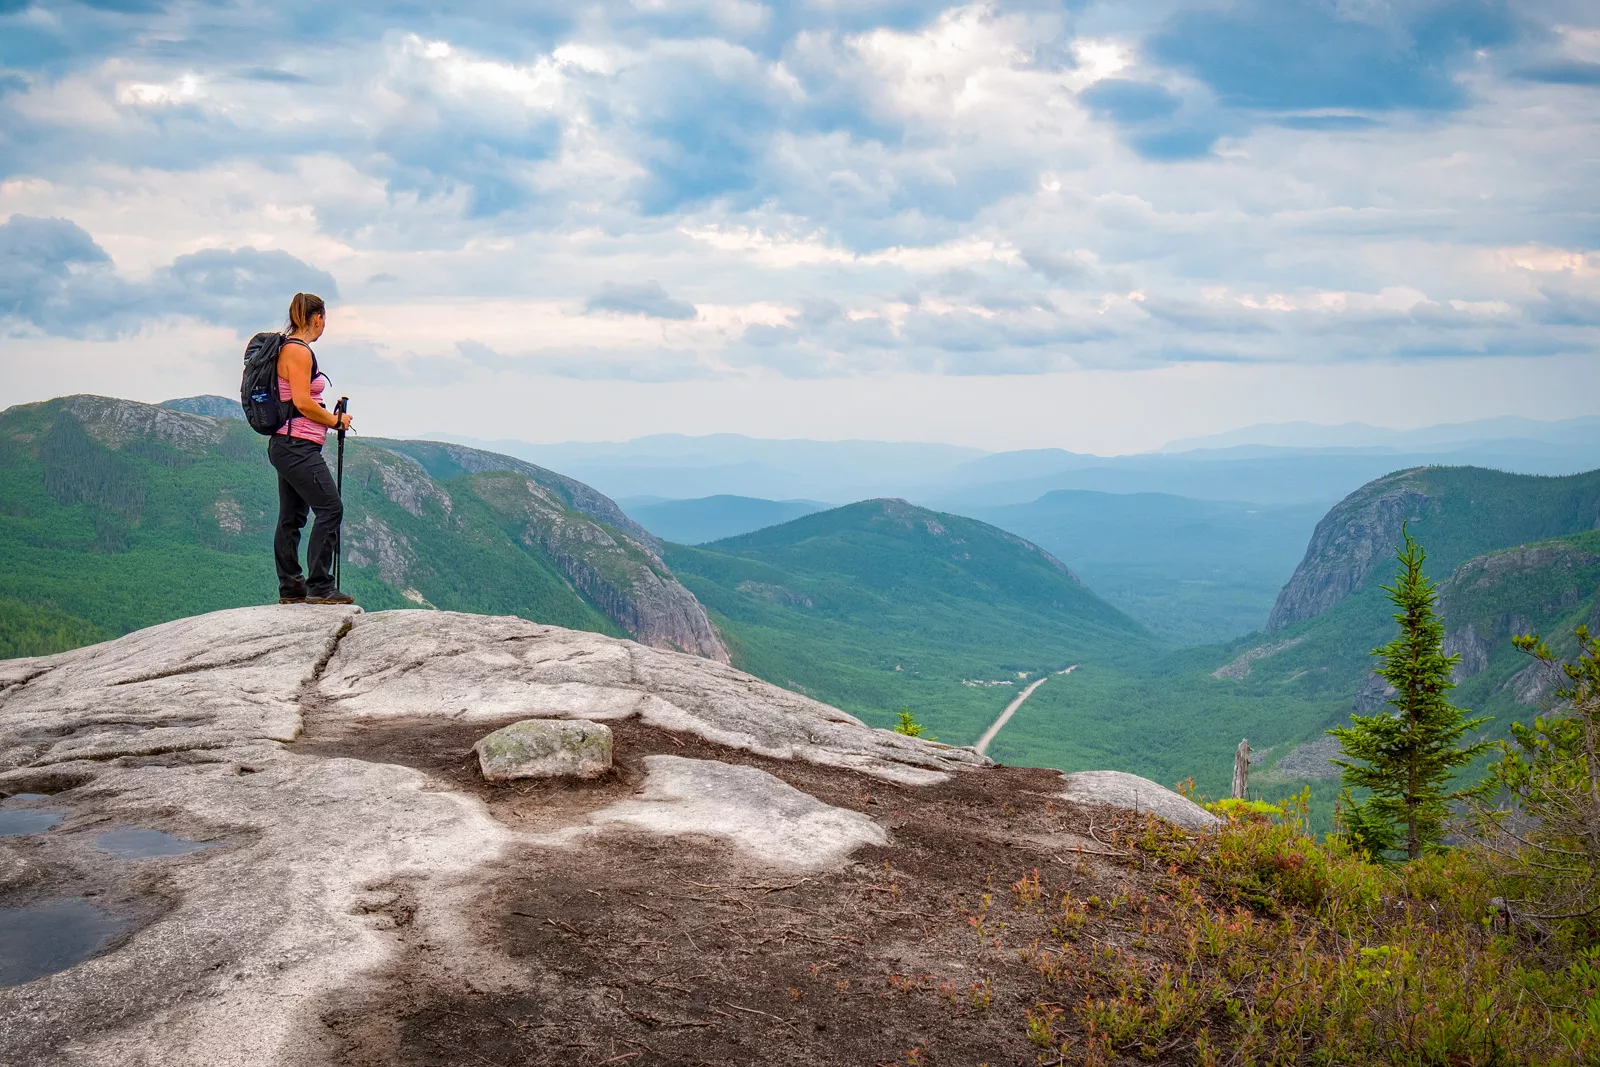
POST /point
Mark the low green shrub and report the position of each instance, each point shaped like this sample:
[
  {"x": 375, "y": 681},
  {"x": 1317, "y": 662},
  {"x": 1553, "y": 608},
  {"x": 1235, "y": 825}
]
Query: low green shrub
[
  {"x": 1236, "y": 809},
  {"x": 1282, "y": 950}
]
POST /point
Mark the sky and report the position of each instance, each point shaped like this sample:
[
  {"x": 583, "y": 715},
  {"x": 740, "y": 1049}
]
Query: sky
[{"x": 1095, "y": 226}]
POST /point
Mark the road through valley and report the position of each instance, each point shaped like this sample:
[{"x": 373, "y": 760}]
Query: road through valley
[{"x": 1011, "y": 709}]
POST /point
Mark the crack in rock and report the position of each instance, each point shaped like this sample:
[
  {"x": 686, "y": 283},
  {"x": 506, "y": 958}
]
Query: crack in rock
[{"x": 197, "y": 668}]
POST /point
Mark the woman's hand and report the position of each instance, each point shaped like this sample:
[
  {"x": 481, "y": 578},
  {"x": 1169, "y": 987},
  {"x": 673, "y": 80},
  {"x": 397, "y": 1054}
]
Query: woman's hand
[{"x": 343, "y": 421}]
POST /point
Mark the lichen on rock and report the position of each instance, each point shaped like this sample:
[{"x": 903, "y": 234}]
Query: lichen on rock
[{"x": 545, "y": 748}]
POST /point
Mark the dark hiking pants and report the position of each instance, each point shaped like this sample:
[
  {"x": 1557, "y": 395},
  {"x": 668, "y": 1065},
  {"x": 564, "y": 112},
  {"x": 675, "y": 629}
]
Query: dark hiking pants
[{"x": 304, "y": 484}]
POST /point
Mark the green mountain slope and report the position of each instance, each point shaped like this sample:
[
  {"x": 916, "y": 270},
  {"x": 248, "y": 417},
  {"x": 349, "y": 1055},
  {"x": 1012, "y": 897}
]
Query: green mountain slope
[
  {"x": 880, "y": 604},
  {"x": 116, "y": 515},
  {"x": 1316, "y": 658},
  {"x": 1548, "y": 588}
]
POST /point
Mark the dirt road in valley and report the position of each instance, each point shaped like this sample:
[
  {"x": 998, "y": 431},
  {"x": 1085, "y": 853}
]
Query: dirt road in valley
[{"x": 1011, "y": 709}]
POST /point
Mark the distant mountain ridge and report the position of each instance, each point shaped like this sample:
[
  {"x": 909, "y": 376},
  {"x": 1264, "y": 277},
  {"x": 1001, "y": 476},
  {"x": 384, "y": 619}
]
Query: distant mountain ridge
[
  {"x": 1585, "y": 430},
  {"x": 121, "y": 514},
  {"x": 218, "y": 407},
  {"x": 712, "y": 518},
  {"x": 1194, "y": 571},
  {"x": 951, "y": 478},
  {"x": 676, "y": 466}
]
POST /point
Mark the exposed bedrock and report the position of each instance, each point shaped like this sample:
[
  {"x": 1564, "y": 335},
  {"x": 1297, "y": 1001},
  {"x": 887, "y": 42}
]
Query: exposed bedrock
[
  {"x": 1350, "y": 541},
  {"x": 261, "y": 732},
  {"x": 1119, "y": 789}
]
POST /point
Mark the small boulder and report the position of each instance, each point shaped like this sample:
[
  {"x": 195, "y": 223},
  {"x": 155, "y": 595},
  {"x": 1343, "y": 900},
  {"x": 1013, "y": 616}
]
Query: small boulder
[
  {"x": 545, "y": 748},
  {"x": 1119, "y": 789}
]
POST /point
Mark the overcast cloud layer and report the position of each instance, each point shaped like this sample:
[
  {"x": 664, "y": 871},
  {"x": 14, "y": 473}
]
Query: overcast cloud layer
[{"x": 765, "y": 198}]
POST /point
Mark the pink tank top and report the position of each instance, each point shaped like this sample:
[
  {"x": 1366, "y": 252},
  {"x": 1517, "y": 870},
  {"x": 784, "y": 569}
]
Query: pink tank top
[{"x": 300, "y": 426}]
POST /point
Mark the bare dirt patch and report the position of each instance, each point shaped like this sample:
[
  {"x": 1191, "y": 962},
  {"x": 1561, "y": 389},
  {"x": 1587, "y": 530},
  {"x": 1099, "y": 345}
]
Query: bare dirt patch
[{"x": 635, "y": 949}]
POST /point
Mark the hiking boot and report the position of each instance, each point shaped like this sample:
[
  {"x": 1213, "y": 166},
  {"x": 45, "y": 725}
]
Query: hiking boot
[
  {"x": 294, "y": 594},
  {"x": 292, "y": 599},
  {"x": 332, "y": 597}
]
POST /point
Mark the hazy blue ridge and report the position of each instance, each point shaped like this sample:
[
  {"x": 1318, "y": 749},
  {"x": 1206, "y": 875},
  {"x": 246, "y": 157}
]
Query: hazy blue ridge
[
  {"x": 1267, "y": 465},
  {"x": 1193, "y": 571},
  {"x": 217, "y": 407},
  {"x": 694, "y": 522}
]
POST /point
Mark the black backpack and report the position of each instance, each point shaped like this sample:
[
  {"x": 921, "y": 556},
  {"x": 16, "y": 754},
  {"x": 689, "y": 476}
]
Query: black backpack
[{"x": 258, "y": 391}]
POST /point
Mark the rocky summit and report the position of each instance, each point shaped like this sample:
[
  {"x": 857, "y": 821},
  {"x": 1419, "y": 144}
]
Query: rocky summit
[{"x": 262, "y": 836}]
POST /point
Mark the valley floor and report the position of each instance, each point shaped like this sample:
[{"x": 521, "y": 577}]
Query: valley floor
[{"x": 982, "y": 744}]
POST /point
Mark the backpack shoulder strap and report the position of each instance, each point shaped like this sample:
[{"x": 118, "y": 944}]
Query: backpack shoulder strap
[{"x": 315, "y": 370}]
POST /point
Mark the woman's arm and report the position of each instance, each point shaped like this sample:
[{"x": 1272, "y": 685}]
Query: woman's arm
[{"x": 294, "y": 364}]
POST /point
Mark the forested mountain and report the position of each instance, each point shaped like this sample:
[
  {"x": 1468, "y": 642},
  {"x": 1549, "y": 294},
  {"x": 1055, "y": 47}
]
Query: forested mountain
[
  {"x": 115, "y": 515},
  {"x": 881, "y": 604},
  {"x": 1511, "y": 553}
]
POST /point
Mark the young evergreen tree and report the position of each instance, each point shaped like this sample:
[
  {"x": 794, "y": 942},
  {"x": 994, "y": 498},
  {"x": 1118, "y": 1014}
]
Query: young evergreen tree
[
  {"x": 1407, "y": 758},
  {"x": 1545, "y": 843}
]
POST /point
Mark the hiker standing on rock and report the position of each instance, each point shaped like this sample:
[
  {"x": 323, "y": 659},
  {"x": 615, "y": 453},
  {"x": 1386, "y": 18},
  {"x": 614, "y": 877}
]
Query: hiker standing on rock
[{"x": 295, "y": 450}]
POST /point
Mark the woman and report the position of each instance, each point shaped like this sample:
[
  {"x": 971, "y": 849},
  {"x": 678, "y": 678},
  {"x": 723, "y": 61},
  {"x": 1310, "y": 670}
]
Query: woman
[{"x": 304, "y": 482}]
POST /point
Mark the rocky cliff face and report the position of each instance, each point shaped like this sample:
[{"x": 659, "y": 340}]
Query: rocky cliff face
[
  {"x": 260, "y": 837},
  {"x": 446, "y": 460},
  {"x": 1347, "y": 545},
  {"x": 218, "y": 407},
  {"x": 607, "y": 556},
  {"x": 622, "y": 575},
  {"x": 1547, "y": 588},
  {"x": 119, "y": 423},
  {"x": 1461, "y": 512}
]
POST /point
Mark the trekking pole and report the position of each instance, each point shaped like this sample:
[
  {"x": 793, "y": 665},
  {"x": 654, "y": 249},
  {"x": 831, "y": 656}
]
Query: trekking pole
[{"x": 340, "y": 408}]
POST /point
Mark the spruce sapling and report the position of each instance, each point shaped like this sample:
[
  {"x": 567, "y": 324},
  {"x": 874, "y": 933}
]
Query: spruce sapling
[{"x": 1407, "y": 758}]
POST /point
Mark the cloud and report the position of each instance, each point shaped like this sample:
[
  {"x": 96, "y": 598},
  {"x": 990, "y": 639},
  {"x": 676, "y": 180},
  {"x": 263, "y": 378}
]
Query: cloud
[
  {"x": 243, "y": 288},
  {"x": 274, "y": 75},
  {"x": 1124, "y": 100},
  {"x": 1568, "y": 309},
  {"x": 1561, "y": 72},
  {"x": 882, "y": 187},
  {"x": 1058, "y": 267},
  {"x": 1327, "y": 122},
  {"x": 642, "y": 298},
  {"x": 55, "y": 278},
  {"x": 583, "y": 364},
  {"x": 1158, "y": 123},
  {"x": 1325, "y": 54}
]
